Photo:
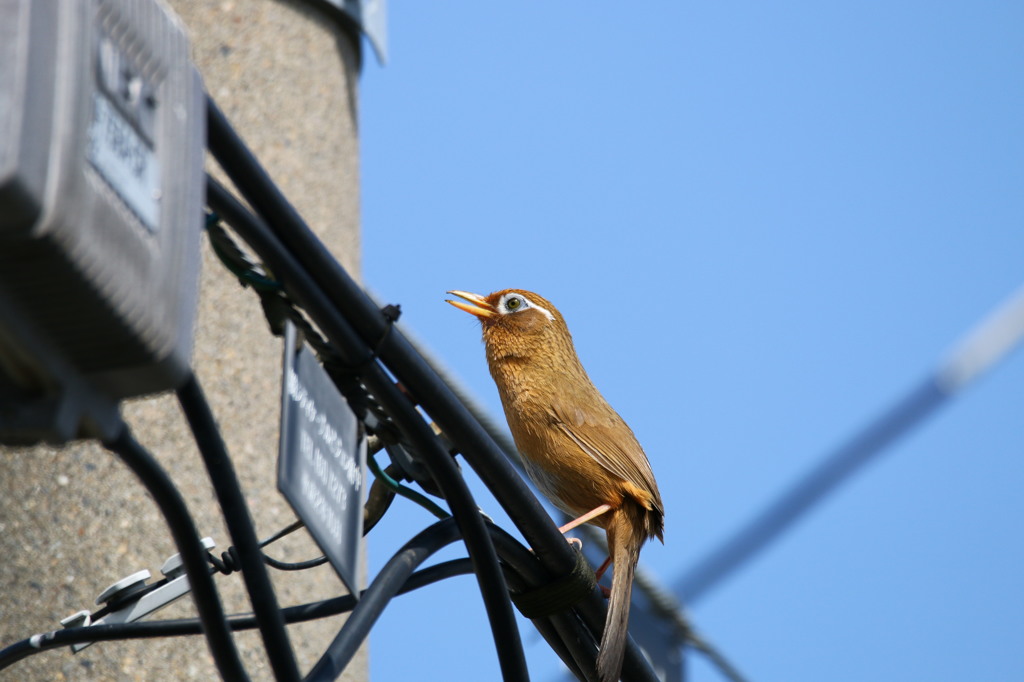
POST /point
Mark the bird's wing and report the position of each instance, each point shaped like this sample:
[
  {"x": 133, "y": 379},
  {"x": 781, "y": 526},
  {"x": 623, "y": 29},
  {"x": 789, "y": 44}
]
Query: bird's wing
[{"x": 601, "y": 437}]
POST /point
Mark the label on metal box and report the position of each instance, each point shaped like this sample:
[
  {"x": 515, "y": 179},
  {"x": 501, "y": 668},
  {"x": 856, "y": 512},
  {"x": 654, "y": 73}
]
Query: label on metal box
[{"x": 125, "y": 161}]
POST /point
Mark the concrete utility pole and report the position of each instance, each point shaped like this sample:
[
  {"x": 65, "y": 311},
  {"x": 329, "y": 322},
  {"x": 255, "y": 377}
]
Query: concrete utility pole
[{"x": 74, "y": 519}]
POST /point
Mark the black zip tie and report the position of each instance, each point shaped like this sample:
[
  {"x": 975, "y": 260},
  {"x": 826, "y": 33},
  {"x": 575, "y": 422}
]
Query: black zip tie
[
  {"x": 559, "y": 594},
  {"x": 391, "y": 313}
]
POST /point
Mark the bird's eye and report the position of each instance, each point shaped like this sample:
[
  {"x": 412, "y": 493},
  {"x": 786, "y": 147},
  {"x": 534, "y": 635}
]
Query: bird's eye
[{"x": 514, "y": 303}]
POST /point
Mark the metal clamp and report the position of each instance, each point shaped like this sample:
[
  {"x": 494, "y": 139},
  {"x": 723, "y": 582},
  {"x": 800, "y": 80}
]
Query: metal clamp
[{"x": 131, "y": 599}]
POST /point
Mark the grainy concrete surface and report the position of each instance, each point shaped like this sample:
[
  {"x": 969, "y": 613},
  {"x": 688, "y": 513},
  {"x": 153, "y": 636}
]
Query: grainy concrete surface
[{"x": 73, "y": 519}]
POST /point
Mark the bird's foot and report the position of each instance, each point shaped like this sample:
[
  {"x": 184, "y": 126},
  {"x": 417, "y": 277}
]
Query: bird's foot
[{"x": 576, "y": 543}]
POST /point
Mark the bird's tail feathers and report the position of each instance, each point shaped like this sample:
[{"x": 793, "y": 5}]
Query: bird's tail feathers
[{"x": 626, "y": 534}]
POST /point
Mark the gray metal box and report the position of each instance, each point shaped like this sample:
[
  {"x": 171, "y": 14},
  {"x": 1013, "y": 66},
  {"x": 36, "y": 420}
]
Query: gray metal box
[{"x": 102, "y": 139}]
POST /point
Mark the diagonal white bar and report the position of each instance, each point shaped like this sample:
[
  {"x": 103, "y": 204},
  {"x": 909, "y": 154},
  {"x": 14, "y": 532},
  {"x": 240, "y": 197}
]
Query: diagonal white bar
[{"x": 985, "y": 345}]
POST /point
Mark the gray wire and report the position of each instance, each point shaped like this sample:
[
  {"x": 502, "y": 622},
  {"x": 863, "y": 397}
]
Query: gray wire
[{"x": 981, "y": 348}]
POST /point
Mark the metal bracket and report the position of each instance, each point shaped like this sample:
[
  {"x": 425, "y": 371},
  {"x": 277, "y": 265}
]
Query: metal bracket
[
  {"x": 42, "y": 396},
  {"x": 131, "y": 599},
  {"x": 370, "y": 16}
]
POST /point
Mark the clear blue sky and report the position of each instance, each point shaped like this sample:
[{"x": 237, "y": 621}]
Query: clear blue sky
[{"x": 764, "y": 222}]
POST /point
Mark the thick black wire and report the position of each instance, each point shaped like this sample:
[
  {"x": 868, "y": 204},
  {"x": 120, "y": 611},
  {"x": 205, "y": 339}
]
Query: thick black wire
[
  {"x": 293, "y": 614},
  {"x": 663, "y": 605},
  {"x": 243, "y": 534},
  {"x": 442, "y": 468},
  {"x": 402, "y": 359},
  {"x": 13, "y": 653},
  {"x": 781, "y": 513},
  {"x": 396, "y": 572},
  {"x": 193, "y": 555},
  {"x": 575, "y": 631},
  {"x": 538, "y": 528},
  {"x": 384, "y": 587},
  {"x": 191, "y": 626},
  {"x": 564, "y": 631},
  {"x": 405, "y": 363}
]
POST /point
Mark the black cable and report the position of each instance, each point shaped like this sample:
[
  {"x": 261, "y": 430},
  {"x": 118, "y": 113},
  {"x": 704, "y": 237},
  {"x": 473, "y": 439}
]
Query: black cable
[
  {"x": 243, "y": 533},
  {"x": 10, "y": 655},
  {"x": 408, "y": 366},
  {"x": 780, "y": 514},
  {"x": 191, "y": 626},
  {"x": 493, "y": 468},
  {"x": 384, "y": 587},
  {"x": 591, "y": 611},
  {"x": 563, "y": 631},
  {"x": 294, "y": 565},
  {"x": 337, "y": 605},
  {"x": 375, "y": 331},
  {"x": 396, "y": 572},
  {"x": 287, "y": 530},
  {"x": 662, "y": 604},
  {"x": 355, "y": 352},
  {"x": 193, "y": 555}
]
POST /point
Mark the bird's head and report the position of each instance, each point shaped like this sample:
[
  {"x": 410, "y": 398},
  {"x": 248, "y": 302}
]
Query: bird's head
[{"x": 517, "y": 323}]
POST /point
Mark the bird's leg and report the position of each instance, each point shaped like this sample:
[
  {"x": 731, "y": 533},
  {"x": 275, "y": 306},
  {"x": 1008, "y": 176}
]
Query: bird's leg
[
  {"x": 599, "y": 573},
  {"x": 593, "y": 513}
]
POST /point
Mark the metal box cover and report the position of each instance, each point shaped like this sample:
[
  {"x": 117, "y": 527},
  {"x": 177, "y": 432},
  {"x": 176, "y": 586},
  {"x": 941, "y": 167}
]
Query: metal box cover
[{"x": 102, "y": 138}]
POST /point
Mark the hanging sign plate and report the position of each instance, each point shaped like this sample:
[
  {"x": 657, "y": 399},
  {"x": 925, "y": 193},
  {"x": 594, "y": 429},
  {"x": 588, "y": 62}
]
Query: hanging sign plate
[{"x": 322, "y": 460}]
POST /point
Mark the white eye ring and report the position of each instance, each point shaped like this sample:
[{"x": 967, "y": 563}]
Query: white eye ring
[{"x": 513, "y": 303}]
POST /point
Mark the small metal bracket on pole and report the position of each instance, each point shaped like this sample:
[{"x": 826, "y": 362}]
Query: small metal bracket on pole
[{"x": 370, "y": 17}]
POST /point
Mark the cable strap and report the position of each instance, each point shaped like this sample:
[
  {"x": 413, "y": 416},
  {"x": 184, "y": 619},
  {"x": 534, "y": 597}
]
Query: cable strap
[
  {"x": 391, "y": 312},
  {"x": 559, "y": 594}
]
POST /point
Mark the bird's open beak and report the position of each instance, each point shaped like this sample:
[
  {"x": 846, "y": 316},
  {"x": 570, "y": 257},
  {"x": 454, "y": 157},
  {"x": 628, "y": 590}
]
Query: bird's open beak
[{"x": 477, "y": 305}]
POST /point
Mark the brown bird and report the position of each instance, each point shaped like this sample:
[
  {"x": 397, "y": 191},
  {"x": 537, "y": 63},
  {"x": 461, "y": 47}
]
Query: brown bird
[{"x": 576, "y": 448}]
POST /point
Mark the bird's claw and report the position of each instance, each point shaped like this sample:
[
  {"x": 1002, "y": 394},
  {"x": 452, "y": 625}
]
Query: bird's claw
[{"x": 575, "y": 542}]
